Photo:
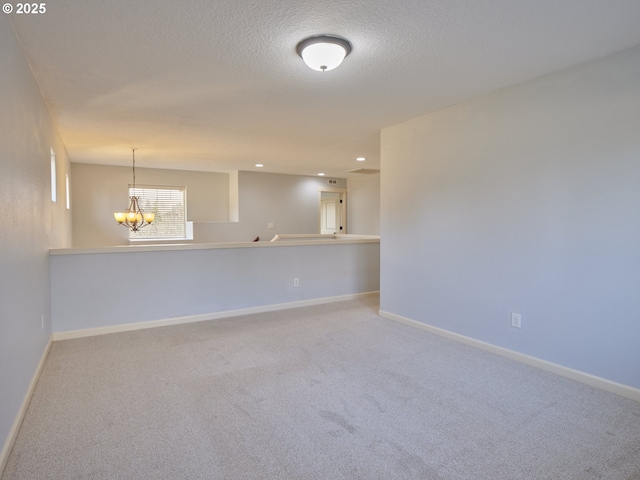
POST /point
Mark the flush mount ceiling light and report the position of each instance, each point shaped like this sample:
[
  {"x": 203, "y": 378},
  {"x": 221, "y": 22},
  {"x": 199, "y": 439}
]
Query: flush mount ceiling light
[
  {"x": 323, "y": 52},
  {"x": 360, "y": 159}
]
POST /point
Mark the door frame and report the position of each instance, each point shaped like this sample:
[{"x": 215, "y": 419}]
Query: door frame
[{"x": 343, "y": 201}]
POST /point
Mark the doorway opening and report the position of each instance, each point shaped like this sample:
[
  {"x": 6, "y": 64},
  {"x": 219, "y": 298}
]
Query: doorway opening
[{"x": 333, "y": 211}]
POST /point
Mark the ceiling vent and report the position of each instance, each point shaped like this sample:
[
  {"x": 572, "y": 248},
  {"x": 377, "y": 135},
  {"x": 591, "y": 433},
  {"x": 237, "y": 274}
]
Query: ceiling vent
[{"x": 364, "y": 170}]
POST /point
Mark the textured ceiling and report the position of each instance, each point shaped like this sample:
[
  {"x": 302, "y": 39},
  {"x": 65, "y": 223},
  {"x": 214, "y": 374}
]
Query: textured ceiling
[{"x": 217, "y": 85}]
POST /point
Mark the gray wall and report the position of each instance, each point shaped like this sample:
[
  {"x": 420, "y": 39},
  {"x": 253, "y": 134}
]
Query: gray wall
[
  {"x": 526, "y": 200},
  {"x": 177, "y": 283},
  {"x": 290, "y": 202},
  {"x": 363, "y": 206},
  {"x": 31, "y": 223},
  {"x": 100, "y": 190}
]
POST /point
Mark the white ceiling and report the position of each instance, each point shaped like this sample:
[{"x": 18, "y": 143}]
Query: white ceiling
[{"x": 216, "y": 85}]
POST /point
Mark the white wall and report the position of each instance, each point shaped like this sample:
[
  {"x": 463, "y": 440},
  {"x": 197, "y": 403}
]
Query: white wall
[
  {"x": 526, "y": 200},
  {"x": 31, "y": 223},
  {"x": 363, "y": 207},
  {"x": 290, "y": 202},
  {"x": 100, "y": 190}
]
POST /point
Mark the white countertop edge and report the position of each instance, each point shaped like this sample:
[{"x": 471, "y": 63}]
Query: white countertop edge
[{"x": 209, "y": 246}]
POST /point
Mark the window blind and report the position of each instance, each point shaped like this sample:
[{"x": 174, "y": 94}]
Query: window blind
[{"x": 169, "y": 205}]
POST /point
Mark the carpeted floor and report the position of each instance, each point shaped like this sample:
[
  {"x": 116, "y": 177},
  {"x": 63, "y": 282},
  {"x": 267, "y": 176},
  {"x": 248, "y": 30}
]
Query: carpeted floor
[{"x": 325, "y": 392}]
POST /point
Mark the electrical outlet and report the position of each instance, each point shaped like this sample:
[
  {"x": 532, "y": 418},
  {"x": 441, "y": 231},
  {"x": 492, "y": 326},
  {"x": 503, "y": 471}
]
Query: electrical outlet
[
  {"x": 516, "y": 320},
  {"x": 271, "y": 225},
  {"x": 296, "y": 282}
]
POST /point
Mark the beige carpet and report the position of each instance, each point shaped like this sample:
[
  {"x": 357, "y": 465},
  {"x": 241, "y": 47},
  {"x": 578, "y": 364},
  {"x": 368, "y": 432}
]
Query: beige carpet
[{"x": 324, "y": 392}]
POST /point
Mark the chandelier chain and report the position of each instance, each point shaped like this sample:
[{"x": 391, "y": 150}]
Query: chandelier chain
[{"x": 134, "y": 169}]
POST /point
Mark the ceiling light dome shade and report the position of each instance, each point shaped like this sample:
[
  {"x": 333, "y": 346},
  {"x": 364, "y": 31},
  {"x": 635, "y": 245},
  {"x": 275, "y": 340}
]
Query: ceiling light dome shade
[{"x": 323, "y": 52}]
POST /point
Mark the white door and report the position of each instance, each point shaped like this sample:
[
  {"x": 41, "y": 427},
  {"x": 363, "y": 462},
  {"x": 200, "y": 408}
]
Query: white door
[{"x": 330, "y": 213}]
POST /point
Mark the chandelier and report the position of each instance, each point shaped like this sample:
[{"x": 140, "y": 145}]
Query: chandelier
[{"x": 134, "y": 217}]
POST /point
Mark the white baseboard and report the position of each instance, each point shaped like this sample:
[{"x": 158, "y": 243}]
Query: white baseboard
[
  {"x": 127, "y": 327},
  {"x": 15, "y": 428},
  {"x": 578, "y": 376}
]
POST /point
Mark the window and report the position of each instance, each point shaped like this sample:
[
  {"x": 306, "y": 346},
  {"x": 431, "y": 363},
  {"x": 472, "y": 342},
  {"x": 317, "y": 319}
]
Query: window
[
  {"x": 169, "y": 205},
  {"x": 54, "y": 188}
]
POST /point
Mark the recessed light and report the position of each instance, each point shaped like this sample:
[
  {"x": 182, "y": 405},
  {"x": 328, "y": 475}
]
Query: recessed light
[
  {"x": 321, "y": 174},
  {"x": 360, "y": 159},
  {"x": 259, "y": 165}
]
